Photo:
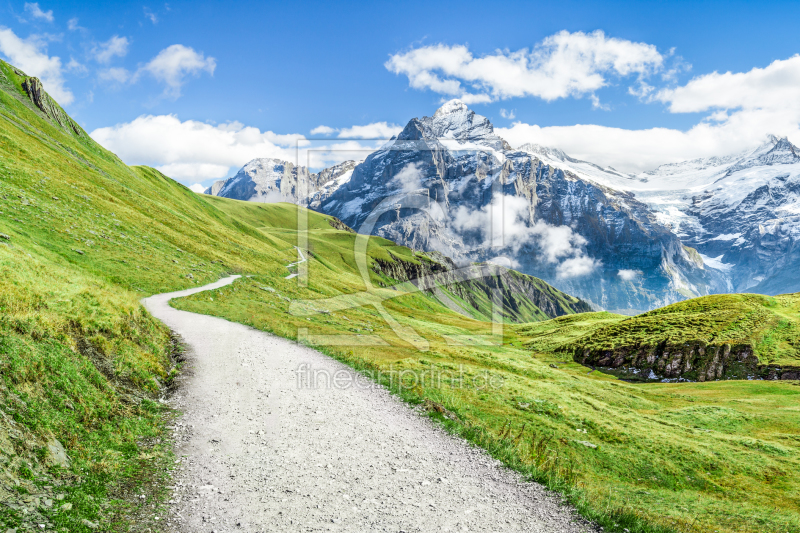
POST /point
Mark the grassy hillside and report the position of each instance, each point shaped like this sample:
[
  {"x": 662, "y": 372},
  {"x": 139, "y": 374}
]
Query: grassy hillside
[
  {"x": 770, "y": 324},
  {"x": 82, "y": 363}
]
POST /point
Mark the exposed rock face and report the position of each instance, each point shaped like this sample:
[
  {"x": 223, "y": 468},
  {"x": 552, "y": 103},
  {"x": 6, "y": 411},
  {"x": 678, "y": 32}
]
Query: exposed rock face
[
  {"x": 49, "y": 107},
  {"x": 693, "y": 361},
  {"x": 696, "y": 361},
  {"x": 215, "y": 188}
]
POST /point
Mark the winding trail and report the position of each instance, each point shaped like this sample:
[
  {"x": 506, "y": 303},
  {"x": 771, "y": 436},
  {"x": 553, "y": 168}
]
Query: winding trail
[{"x": 261, "y": 453}]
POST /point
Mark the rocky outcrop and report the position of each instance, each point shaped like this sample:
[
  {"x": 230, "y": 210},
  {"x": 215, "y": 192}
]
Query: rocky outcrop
[
  {"x": 696, "y": 361},
  {"x": 691, "y": 361},
  {"x": 35, "y": 90}
]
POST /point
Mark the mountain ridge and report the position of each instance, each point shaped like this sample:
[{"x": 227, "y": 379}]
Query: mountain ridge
[{"x": 664, "y": 214}]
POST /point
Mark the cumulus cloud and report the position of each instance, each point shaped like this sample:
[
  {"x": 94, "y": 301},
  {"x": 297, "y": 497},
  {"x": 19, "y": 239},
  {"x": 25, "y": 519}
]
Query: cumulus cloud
[
  {"x": 376, "y": 130},
  {"x": 72, "y": 24},
  {"x": 409, "y": 178},
  {"x": 36, "y": 12},
  {"x": 505, "y": 223},
  {"x": 174, "y": 64},
  {"x": 575, "y": 267},
  {"x": 195, "y": 151},
  {"x": 30, "y": 55},
  {"x": 323, "y": 130},
  {"x": 562, "y": 65},
  {"x": 190, "y": 149},
  {"x": 114, "y": 47},
  {"x": 774, "y": 86},
  {"x": 742, "y": 109},
  {"x": 115, "y": 75},
  {"x": 197, "y": 188},
  {"x": 629, "y": 275}
]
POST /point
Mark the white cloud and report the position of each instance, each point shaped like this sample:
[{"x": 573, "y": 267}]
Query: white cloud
[
  {"x": 116, "y": 46},
  {"x": 194, "y": 151},
  {"x": 72, "y": 24},
  {"x": 562, "y": 65},
  {"x": 409, "y": 178},
  {"x": 36, "y": 12},
  {"x": 504, "y": 261},
  {"x": 505, "y": 224},
  {"x": 197, "y": 188},
  {"x": 150, "y": 15},
  {"x": 774, "y": 86},
  {"x": 189, "y": 149},
  {"x": 557, "y": 242},
  {"x": 742, "y": 108},
  {"x": 114, "y": 74},
  {"x": 576, "y": 266},
  {"x": 323, "y": 130},
  {"x": 510, "y": 115},
  {"x": 31, "y": 57},
  {"x": 629, "y": 275},
  {"x": 75, "y": 66},
  {"x": 376, "y": 130},
  {"x": 176, "y": 63}
]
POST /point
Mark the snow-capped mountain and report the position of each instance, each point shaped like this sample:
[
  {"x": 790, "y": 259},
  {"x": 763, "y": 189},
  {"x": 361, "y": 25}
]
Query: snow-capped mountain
[
  {"x": 741, "y": 211},
  {"x": 486, "y": 201},
  {"x": 622, "y": 241},
  {"x": 273, "y": 180}
]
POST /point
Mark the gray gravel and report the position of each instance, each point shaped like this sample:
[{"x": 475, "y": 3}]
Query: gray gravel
[{"x": 260, "y": 453}]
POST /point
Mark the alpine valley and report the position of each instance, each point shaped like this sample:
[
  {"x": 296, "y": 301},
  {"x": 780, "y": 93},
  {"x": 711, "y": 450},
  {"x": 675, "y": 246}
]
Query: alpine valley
[{"x": 624, "y": 242}]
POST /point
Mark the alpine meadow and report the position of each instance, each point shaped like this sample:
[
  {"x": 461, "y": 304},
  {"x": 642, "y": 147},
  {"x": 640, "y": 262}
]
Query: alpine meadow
[{"x": 626, "y": 342}]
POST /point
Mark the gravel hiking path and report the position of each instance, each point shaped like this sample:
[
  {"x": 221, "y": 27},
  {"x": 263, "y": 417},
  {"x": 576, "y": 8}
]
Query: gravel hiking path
[{"x": 260, "y": 453}]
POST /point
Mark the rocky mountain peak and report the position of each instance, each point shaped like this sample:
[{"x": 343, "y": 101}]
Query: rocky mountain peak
[
  {"x": 453, "y": 106},
  {"x": 783, "y": 145},
  {"x": 454, "y": 120},
  {"x": 776, "y": 151}
]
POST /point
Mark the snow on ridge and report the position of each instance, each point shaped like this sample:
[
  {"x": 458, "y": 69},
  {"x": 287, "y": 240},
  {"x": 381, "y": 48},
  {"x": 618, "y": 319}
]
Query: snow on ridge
[{"x": 716, "y": 262}]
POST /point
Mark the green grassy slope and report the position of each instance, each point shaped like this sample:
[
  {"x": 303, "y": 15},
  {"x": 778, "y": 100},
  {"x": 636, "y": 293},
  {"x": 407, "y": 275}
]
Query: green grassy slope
[
  {"x": 771, "y": 325},
  {"x": 79, "y": 356},
  {"x": 558, "y": 334}
]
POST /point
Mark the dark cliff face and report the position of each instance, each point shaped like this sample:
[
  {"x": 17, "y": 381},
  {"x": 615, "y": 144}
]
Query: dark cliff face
[
  {"x": 461, "y": 173},
  {"x": 690, "y": 361},
  {"x": 695, "y": 361},
  {"x": 523, "y": 298}
]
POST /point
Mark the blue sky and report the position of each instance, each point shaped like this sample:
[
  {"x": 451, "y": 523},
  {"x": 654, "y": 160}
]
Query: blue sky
[{"x": 198, "y": 88}]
